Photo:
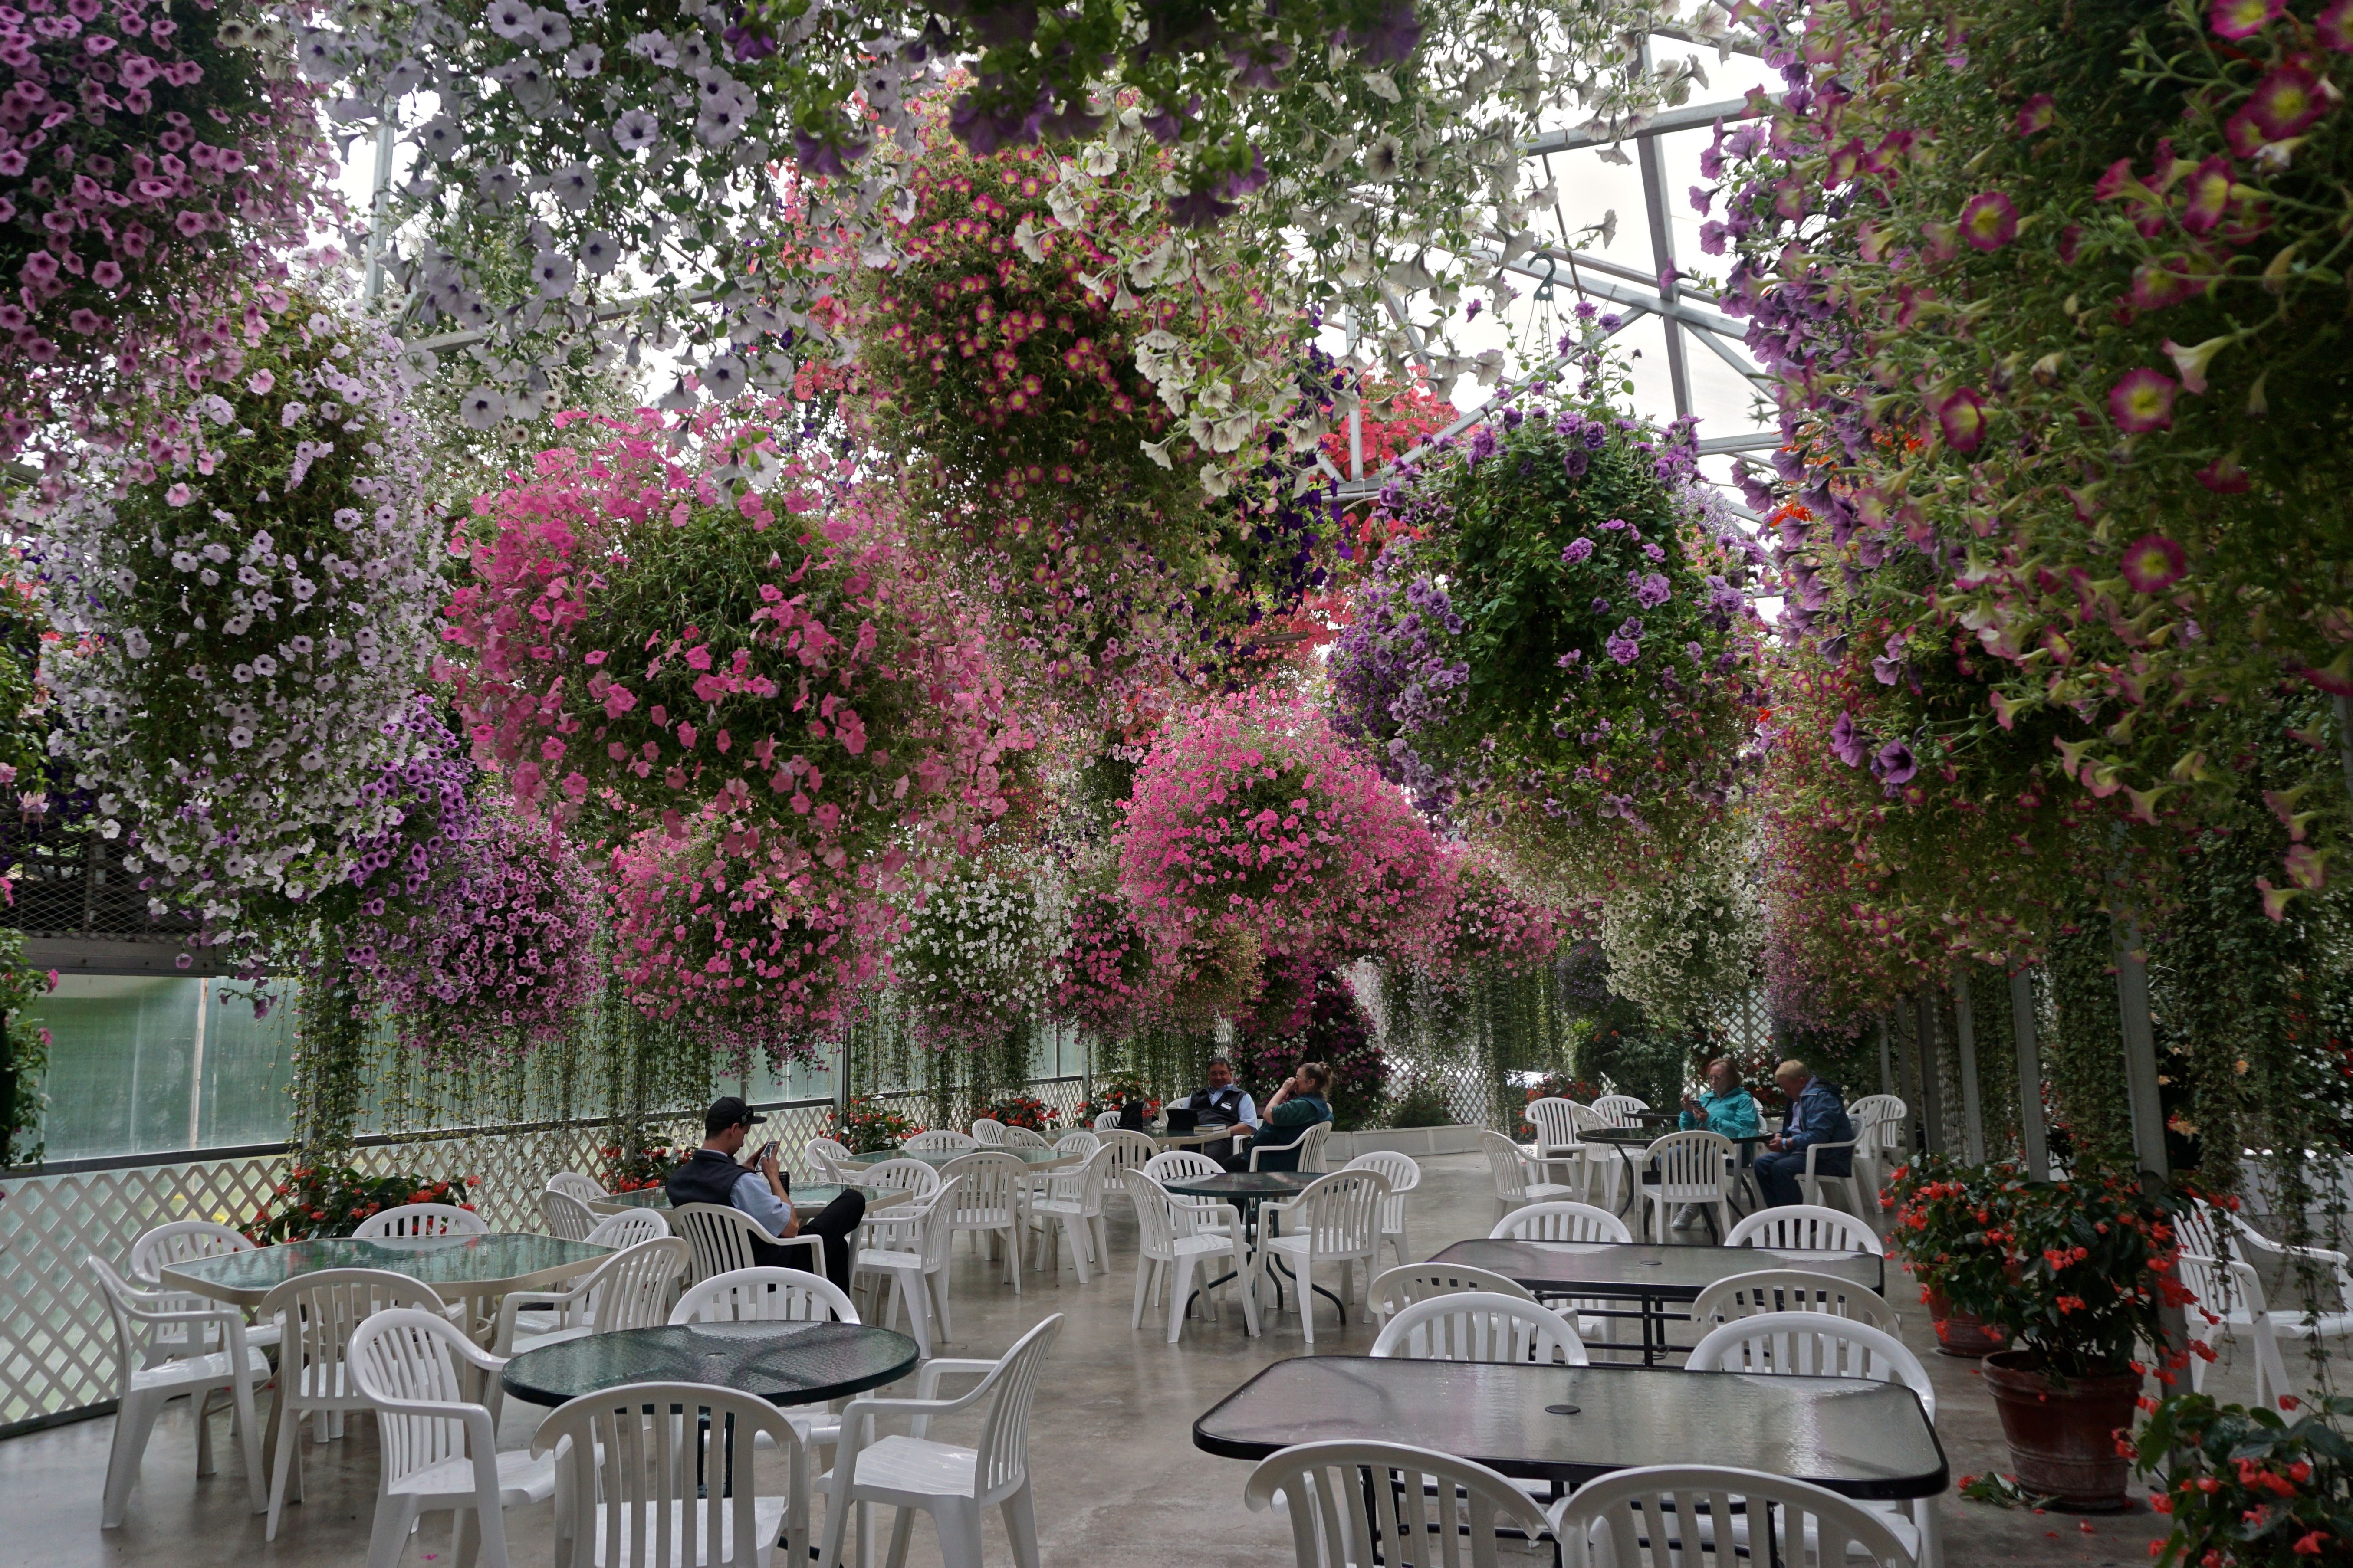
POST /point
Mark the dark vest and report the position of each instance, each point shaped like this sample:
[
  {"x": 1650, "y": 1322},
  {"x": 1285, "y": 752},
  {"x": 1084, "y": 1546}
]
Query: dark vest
[
  {"x": 1219, "y": 1107},
  {"x": 707, "y": 1176}
]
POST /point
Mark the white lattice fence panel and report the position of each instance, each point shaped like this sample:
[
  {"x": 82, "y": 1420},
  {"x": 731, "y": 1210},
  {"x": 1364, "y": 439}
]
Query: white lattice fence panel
[{"x": 56, "y": 1352}]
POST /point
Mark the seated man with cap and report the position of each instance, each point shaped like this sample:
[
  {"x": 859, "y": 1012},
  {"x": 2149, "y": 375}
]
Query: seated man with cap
[
  {"x": 712, "y": 1175},
  {"x": 1224, "y": 1103}
]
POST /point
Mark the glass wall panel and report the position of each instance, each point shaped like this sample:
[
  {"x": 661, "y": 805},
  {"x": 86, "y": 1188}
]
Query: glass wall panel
[{"x": 121, "y": 1047}]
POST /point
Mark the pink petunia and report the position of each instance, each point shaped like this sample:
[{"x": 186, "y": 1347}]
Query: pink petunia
[
  {"x": 2142, "y": 401},
  {"x": 179, "y": 495},
  {"x": 2286, "y": 102},
  {"x": 2152, "y": 563},
  {"x": 1962, "y": 418},
  {"x": 260, "y": 382},
  {"x": 2037, "y": 113},
  {"x": 2237, "y": 19},
  {"x": 1989, "y": 221}
]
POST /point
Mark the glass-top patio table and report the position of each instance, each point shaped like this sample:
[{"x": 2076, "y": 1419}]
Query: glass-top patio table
[
  {"x": 1861, "y": 1438},
  {"x": 1036, "y": 1159},
  {"x": 1649, "y": 1274},
  {"x": 477, "y": 1269},
  {"x": 807, "y": 1200}
]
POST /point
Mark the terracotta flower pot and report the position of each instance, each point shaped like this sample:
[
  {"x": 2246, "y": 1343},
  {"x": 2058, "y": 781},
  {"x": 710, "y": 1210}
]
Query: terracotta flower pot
[
  {"x": 2063, "y": 1436},
  {"x": 1960, "y": 1333}
]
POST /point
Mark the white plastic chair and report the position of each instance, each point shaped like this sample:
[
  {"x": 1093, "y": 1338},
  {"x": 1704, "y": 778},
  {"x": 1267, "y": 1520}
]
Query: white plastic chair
[
  {"x": 1654, "y": 1516},
  {"x": 1073, "y": 1197},
  {"x": 1694, "y": 1167},
  {"x": 939, "y": 1141},
  {"x": 912, "y": 1177},
  {"x": 1337, "y": 1220},
  {"x": 439, "y": 1448},
  {"x": 1310, "y": 1145},
  {"x": 909, "y": 1246},
  {"x": 828, "y": 1159},
  {"x": 1805, "y": 1227},
  {"x": 1404, "y": 1176},
  {"x": 1024, "y": 1137},
  {"x": 1619, "y": 1109},
  {"x": 1515, "y": 1174},
  {"x": 1812, "y": 1182},
  {"x": 1130, "y": 1150},
  {"x": 724, "y": 1238},
  {"x": 1556, "y": 1143},
  {"x": 988, "y": 1133},
  {"x": 665, "y": 1474},
  {"x": 1476, "y": 1325},
  {"x": 1396, "y": 1289},
  {"x": 1451, "y": 1509},
  {"x": 992, "y": 1202},
  {"x": 421, "y": 1219},
  {"x": 1887, "y": 1114},
  {"x": 1821, "y": 1344},
  {"x": 627, "y": 1229},
  {"x": 1789, "y": 1290},
  {"x": 2244, "y": 1307},
  {"x": 566, "y": 1216},
  {"x": 1559, "y": 1220},
  {"x": 1188, "y": 1164},
  {"x": 630, "y": 1289},
  {"x": 1172, "y": 1240},
  {"x": 1106, "y": 1119},
  {"x": 182, "y": 1241},
  {"x": 773, "y": 1296},
  {"x": 1080, "y": 1140},
  {"x": 316, "y": 1313},
  {"x": 952, "y": 1484},
  {"x": 573, "y": 1185},
  {"x": 145, "y": 1382}
]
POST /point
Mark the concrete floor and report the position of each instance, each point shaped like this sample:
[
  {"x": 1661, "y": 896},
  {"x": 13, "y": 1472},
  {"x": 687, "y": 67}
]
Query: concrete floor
[{"x": 1117, "y": 1477}]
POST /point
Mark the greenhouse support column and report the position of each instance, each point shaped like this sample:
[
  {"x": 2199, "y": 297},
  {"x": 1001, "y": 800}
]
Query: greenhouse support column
[
  {"x": 1907, "y": 1070},
  {"x": 2140, "y": 1050},
  {"x": 2032, "y": 1145},
  {"x": 1886, "y": 1063},
  {"x": 1964, "y": 1041},
  {"x": 1932, "y": 1093}
]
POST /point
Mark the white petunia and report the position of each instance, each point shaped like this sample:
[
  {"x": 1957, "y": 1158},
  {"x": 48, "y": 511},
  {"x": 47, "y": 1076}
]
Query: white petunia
[
  {"x": 481, "y": 409},
  {"x": 723, "y": 377},
  {"x": 599, "y": 253},
  {"x": 511, "y": 20},
  {"x": 574, "y": 186},
  {"x": 636, "y": 131},
  {"x": 584, "y": 62},
  {"x": 551, "y": 273},
  {"x": 549, "y": 31}
]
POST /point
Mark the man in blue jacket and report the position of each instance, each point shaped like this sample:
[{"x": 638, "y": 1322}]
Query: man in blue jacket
[{"x": 1816, "y": 1116}]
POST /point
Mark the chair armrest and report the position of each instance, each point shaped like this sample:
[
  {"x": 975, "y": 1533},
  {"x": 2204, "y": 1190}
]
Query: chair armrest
[
  {"x": 516, "y": 1300},
  {"x": 1812, "y": 1149},
  {"x": 2253, "y": 1238}
]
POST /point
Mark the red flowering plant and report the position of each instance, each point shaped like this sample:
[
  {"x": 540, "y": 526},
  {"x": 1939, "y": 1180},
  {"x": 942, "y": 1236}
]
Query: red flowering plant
[
  {"x": 1953, "y": 1222},
  {"x": 716, "y": 662},
  {"x": 865, "y": 1124},
  {"x": 2246, "y": 1487},
  {"x": 1066, "y": 436},
  {"x": 1020, "y": 1110},
  {"x": 1116, "y": 1091},
  {"x": 633, "y": 1169},
  {"x": 148, "y": 163},
  {"x": 2078, "y": 1273},
  {"x": 332, "y": 1200},
  {"x": 2053, "y": 311},
  {"x": 1248, "y": 815}
]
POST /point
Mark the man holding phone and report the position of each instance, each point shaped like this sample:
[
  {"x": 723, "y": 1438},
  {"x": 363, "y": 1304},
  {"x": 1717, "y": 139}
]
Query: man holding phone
[{"x": 757, "y": 1187}]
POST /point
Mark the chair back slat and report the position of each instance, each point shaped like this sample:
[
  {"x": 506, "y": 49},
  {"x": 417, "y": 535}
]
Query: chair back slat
[
  {"x": 1023, "y": 1137},
  {"x": 1004, "y": 1446},
  {"x": 1789, "y": 1290},
  {"x": 1508, "y": 1164},
  {"x": 422, "y": 1219},
  {"x": 1805, "y": 1227},
  {"x": 764, "y": 1296},
  {"x": 1694, "y": 1166},
  {"x": 573, "y": 1185},
  {"x": 566, "y": 1216},
  {"x": 1341, "y": 1213},
  {"x": 1400, "y": 1288},
  {"x": 827, "y": 1159},
  {"x": 1560, "y": 1220},
  {"x": 1352, "y": 1503},
  {"x": 631, "y": 1288},
  {"x": 988, "y": 1133},
  {"x": 912, "y": 1177},
  {"x": 318, "y": 1312},
  {"x": 1619, "y": 1109},
  {"x": 403, "y": 1354},
  {"x": 665, "y": 1474},
  {"x": 939, "y": 1141},
  {"x": 627, "y": 1229},
  {"x": 990, "y": 1183},
  {"x": 1812, "y": 1344},
  {"x": 1181, "y": 1164},
  {"x": 1660, "y": 1517},
  {"x": 1555, "y": 1121},
  {"x": 1080, "y": 1140},
  {"x": 1477, "y": 1326}
]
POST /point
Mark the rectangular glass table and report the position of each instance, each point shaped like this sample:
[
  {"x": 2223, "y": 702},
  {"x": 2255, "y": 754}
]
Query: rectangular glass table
[
  {"x": 807, "y": 1200},
  {"x": 1569, "y": 1424},
  {"x": 1036, "y": 1159},
  {"x": 477, "y": 1269},
  {"x": 1647, "y": 1274}
]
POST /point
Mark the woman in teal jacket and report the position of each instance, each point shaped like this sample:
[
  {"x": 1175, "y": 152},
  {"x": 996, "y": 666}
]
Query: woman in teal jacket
[{"x": 1725, "y": 1107}]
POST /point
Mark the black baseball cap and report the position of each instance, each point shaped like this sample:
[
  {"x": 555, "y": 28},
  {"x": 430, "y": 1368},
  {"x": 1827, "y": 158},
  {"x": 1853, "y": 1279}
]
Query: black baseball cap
[{"x": 728, "y": 1111}]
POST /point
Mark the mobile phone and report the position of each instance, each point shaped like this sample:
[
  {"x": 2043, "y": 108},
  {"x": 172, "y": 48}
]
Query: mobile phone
[{"x": 766, "y": 1150}]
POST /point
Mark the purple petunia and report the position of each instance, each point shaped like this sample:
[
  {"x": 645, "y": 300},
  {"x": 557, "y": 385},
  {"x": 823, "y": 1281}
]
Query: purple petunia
[
  {"x": 1579, "y": 549},
  {"x": 1652, "y": 591},
  {"x": 1845, "y": 742},
  {"x": 1894, "y": 764}
]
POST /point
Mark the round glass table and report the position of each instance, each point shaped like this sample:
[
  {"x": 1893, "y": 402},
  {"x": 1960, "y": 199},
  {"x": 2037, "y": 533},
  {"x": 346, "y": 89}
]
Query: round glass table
[{"x": 784, "y": 1362}]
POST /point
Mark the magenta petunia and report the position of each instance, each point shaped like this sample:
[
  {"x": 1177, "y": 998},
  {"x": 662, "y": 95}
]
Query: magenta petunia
[
  {"x": 2142, "y": 401},
  {"x": 1962, "y": 418},
  {"x": 2334, "y": 25},
  {"x": 2286, "y": 102},
  {"x": 2210, "y": 194},
  {"x": 2037, "y": 113},
  {"x": 2237, "y": 19},
  {"x": 2153, "y": 563},
  {"x": 1989, "y": 221}
]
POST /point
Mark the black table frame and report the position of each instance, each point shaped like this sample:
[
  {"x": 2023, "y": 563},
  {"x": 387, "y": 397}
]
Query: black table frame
[{"x": 1651, "y": 1298}]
